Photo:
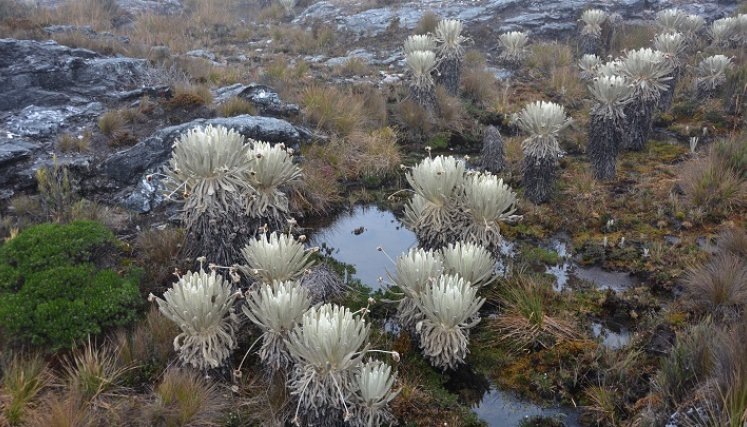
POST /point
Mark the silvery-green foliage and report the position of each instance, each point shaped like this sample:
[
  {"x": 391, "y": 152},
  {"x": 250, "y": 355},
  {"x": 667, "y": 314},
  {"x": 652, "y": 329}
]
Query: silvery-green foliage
[
  {"x": 326, "y": 347},
  {"x": 487, "y": 201},
  {"x": 543, "y": 121},
  {"x": 288, "y": 5},
  {"x": 276, "y": 308},
  {"x": 421, "y": 63},
  {"x": 612, "y": 94},
  {"x": 275, "y": 258},
  {"x": 433, "y": 211},
  {"x": 416, "y": 268},
  {"x": 514, "y": 46},
  {"x": 711, "y": 72},
  {"x": 201, "y": 304},
  {"x": 678, "y": 21},
  {"x": 437, "y": 179},
  {"x": 724, "y": 30},
  {"x": 450, "y": 308},
  {"x": 271, "y": 169},
  {"x": 470, "y": 261},
  {"x": 448, "y": 35},
  {"x": 593, "y": 20},
  {"x": 672, "y": 45},
  {"x": 588, "y": 65},
  {"x": 373, "y": 392},
  {"x": 424, "y": 42},
  {"x": 648, "y": 70},
  {"x": 208, "y": 167},
  {"x": 741, "y": 28},
  {"x": 609, "y": 68},
  {"x": 670, "y": 19},
  {"x": 691, "y": 25},
  {"x": 413, "y": 271}
]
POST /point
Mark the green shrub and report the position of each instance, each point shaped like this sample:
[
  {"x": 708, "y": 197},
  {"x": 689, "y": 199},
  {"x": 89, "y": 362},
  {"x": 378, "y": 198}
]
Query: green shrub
[{"x": 54, "y": 290}]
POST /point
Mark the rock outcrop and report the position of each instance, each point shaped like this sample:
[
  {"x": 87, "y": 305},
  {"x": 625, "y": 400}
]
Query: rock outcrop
[{"x": 543, "y": 18}]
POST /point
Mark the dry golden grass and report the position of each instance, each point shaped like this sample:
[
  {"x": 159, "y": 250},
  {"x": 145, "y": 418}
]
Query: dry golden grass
[
  {"x": 110, "y": 122},
  {"x": 711, "y": 185},
  {"x": 65, "y": 409},
  {"x": 524, "y": 320},
  {"x": 427, "y": 23},
  {"x": 414, "y": 121},
  {"x": 93, "y": 371},
  {"x": 158, "y": 253},
  {"x": 149, "y": 343},
  {"x": 99, "y": 14},
  {"x": 334, "y": 110},
  {"x": 479, "y": 85},
  {"x": 24, "y": 378},
  {"x": 185, "y": 398},
  {"x": 161, "y": 30},
  {"x": 190, "y": 96},
  {"x": 67, "y": 143},
  {"x": 320, "y": 189},
  {"x": 633, "y": 37},
  {"x": 235, "y": 107},
  {"x": 319, "y": 39},
  {"x": 548, "y": 56},
  {"x": 365, "y": 154},
  {"x": 567, "y": 85},
  {"x": 352, "y": 67}
]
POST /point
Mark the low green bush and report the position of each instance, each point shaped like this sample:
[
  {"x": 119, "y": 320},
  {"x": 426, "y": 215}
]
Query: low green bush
[{"x": 56, "y": 286}]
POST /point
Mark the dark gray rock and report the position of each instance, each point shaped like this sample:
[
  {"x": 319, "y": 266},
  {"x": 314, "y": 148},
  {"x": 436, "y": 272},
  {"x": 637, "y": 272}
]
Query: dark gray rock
[
  {"x": 48, "y": 74},
  {"x": 14, "y": 150},
  {"x": 549, "y": 19},
  {"x": 263, "y": 97},
  {"x": 148, "y": 195},
  {"x": 34, "y": 121},
  {"x": 128, "y": 166},
  {"x": 134, "y": 7},
  {"x": 87, "y": 31}
]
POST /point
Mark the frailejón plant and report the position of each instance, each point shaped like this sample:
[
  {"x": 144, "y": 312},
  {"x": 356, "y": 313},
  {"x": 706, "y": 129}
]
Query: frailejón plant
[
  {"x": 543, "y": 121},
  {"x": 275, "y": 257},
  {"x": 449, "y": 37},
  {"x": 201, "y": 304},
  {"x": 450, "y": 309},
  {"x": 607, "y": 125},
  {"x": 276, "y": 308}
]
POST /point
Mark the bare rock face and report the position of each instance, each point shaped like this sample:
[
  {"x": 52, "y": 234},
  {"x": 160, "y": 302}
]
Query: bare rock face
[
  {"x": 134, "y": 7},
  {"x": 263, "y": 97},
  {"x": 46, "y": 74},
  {"x": 544, "y": 18}
]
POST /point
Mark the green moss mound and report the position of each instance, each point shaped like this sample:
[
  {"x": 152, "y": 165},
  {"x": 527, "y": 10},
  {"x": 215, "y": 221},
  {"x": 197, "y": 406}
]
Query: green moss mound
[{"x": 56, "y": 286}]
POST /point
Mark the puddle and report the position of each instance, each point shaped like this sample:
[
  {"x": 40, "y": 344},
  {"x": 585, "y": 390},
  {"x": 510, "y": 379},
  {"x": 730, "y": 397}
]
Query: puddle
[
  {"x": 618, "y": 281},
  {"x": 613, "y": 336},
  {"x": 354, "y": 236},
  {"x": 503, "y": 409},
  {"x": 562, "y": 273}
]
